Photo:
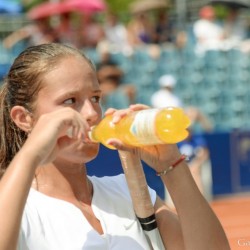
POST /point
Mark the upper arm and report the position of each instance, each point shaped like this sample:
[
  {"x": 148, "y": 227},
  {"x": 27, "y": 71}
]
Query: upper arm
[{"x": 168, "y": 225}]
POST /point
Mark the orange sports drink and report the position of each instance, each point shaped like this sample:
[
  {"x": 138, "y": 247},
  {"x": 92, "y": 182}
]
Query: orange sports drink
[{"x": 145, "y": 127}]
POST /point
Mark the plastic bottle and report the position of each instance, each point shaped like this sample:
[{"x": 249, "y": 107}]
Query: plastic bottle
[{"x": 146, "y": 127}]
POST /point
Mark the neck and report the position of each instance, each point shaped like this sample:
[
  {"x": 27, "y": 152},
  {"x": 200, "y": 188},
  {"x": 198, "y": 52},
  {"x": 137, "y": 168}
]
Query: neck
[{"x": 67, "y": 183}]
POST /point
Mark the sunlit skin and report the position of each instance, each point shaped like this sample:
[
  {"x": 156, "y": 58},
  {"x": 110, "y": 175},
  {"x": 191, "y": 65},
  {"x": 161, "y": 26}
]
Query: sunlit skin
[{"x": 73, "y": 85}]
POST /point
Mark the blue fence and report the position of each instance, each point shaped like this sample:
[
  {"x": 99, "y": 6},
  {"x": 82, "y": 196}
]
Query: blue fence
[
  {"x": 230, "y": 157},
  {"x": 230, "y": 162}
]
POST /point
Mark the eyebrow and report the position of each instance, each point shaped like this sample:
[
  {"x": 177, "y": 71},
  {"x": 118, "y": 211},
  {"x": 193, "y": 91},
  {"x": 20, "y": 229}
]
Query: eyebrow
[
  {"x": 97, "y": 91},
  {"x": 71, "y": 93}
]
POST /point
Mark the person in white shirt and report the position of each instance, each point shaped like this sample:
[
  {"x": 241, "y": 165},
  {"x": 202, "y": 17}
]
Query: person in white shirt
[
  {"x": 49, "y": 101},
  {"x": 235, "y": 28},
  {"x": 116, "y": 35},
  {"x": 165, "y": 96},
  {"x": 208, "y": 33}
]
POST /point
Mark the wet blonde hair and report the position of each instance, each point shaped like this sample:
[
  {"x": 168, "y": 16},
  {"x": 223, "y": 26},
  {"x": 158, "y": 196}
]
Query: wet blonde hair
[{"x": 21, "y": 87}]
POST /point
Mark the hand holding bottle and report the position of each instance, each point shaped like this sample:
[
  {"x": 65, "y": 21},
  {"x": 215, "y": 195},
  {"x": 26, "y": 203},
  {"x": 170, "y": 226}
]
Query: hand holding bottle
[
  {"x": 141, "y": 126},
  {"x": 158, "y": 156}
]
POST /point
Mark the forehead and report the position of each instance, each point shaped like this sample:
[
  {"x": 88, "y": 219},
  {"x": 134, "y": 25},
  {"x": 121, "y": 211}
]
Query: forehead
[{"x": 70, "y": 71}]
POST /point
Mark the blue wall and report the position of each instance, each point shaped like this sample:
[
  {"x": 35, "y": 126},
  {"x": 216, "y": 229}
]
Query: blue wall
[
  {"x": 108, "y": 163},
  {"x": 230, "y": 160}
]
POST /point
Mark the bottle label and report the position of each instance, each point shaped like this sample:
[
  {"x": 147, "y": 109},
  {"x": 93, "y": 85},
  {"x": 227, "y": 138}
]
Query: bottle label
[{"x": 143, "y": 127}]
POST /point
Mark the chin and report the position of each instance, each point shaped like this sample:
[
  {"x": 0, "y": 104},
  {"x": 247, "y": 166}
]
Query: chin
[
  {"x": 89, "y": 152},
  {"x": 80, "y": 155}
]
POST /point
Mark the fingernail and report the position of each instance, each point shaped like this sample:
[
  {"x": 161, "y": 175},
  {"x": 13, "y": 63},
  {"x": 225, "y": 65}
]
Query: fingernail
[
  {"x": 115, "y": 119},
  {"x": 111, "y": 143}
]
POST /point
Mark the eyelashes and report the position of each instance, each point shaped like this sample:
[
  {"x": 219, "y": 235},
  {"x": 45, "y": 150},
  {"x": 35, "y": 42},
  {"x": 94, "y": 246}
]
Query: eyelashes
[
  {"x": 96, "y": 99},
  {"x": 73, "y": 100}
]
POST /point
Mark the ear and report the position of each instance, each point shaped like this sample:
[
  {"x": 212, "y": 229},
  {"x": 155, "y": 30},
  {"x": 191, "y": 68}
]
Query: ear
[{"x": 22, "y": 118}]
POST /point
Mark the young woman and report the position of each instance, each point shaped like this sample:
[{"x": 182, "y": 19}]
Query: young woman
[{"x": 49, "y": 101}]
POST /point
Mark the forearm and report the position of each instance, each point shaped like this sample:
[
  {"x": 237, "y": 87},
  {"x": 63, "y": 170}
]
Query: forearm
[
  {"x": 200, "y": 227},
  {"x": 14, "y": 188},
  {"x": 138, "y": 188}
]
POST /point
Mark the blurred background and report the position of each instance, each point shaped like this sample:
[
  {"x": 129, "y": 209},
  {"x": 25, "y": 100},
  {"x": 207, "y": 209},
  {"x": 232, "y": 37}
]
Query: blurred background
[{"x": 204, "y": 45}]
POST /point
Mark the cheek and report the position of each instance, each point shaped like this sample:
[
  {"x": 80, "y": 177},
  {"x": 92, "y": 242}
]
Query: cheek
[
  {"x": 45, "y": 102},
  {"x": 45, "y": 106}
]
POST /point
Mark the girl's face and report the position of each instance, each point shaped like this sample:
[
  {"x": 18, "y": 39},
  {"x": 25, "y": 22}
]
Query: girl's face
[{"x": 72, "y": 83}]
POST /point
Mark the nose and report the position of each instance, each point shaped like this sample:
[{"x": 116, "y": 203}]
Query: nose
[{"x": 90, "y": 111}]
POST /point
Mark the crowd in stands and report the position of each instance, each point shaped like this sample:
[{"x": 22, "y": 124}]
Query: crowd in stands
[
  {"x": 214, "y": 34},
  {"x": 140, "y": 40},
  {"x": 210, "y": 31},
  {"x": 88, "y": 31}
]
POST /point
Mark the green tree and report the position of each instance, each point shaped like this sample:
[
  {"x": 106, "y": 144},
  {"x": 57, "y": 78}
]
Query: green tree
[
  {"x": 28, "y": 4},
  {"x": 119, "y": 6}
]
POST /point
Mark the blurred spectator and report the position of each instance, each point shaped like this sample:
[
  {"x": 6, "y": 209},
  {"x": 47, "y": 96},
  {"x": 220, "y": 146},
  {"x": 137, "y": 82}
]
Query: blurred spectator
[
  {"x": 200, "y": 121},
  {"x": 92, "y": 31},
  {"x": 140, "y": 30},
  {"x": 66, "y": 32},
  {"x": 165, "y": 96},
  {"x": 38, "y": 32},
  {"x": 114, "y": 93},
  {"x": 208, "y": 34},
  {"x": 195, "y": 147},
  {"x": 235, "y": 28},
  {"x": 163, "y": 31},
  {"x": 107, "y": 68},
  {"x": 116, "y": 35},
  {"x": 181, "y": 39}
]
